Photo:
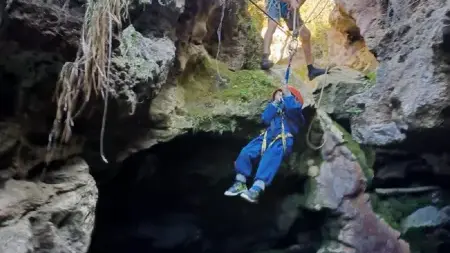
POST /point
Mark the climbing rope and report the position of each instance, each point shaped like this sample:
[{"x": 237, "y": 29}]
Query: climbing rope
[
  {"x": 292, "y": 51},
  {"x": 308, "y": 141},
  {"x": 293, "y": 45},
  {"x": 223, "y": 3}
]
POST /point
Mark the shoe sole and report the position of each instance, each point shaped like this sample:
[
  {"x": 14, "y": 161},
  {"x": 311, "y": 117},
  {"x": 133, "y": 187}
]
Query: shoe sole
[
  {"x": 233, "y": 194},
  {"x": 244, "y": 196}
]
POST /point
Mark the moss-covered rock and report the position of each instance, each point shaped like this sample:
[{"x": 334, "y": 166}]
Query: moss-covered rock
[
  {"x": 404, "y": 213},
  {"x": 365, "y": 156},
  {"x": 208, "y": 97},
  {"x": 395, "y": 208},
  {"x": 345, "y": 179},
  {"x": 217, "y": 99},
  {"x": 429, "y": 222},
  {"x": 340, "y": 84}
]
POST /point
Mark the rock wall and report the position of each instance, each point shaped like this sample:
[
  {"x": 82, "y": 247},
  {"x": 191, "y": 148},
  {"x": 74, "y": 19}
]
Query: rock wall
[
  {"x": 401, "y": 111},
  {"x": 45, "y": 207},
  {"x": 346, "y": 46},
  {"x": 410, "y": 41},
  {"x": 409, "y": 189},
  {"x": 337, "y": 184},
  {"x": 53, "y": 213},
  {"x": 168, "y": 84}
]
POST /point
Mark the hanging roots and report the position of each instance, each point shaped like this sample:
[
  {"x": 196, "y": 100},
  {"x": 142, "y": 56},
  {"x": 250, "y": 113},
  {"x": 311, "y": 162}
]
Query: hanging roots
[{"x": 90, "y": 71}]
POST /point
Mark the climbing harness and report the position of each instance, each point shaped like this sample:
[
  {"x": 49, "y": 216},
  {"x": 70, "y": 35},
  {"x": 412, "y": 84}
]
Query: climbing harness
[{"x": 281, "y": 136}]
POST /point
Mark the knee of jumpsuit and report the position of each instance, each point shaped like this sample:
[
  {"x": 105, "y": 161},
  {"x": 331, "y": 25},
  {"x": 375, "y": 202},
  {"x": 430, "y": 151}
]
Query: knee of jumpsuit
[
  {"x": 248, "y": 154},
  {"x": 271, "y": 160}
]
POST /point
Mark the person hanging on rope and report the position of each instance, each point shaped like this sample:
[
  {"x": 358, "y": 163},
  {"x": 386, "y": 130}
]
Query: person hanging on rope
[
  {"x": 283, "y": 117},
  {"x": 280, "y": 9}
]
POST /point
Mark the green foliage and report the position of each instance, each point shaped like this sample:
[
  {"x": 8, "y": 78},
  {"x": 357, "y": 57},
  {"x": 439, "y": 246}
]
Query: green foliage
[
  {"x": 251, "y": 24},
  {"x": 318, "y": 24},
  {"x": 354, "y": 111},
  {"x": 247, "y": 85},
  {"x": 394, "y": 209},
  {"x": 241, "y": 86},
  {"x": 372, "y": 76},
  {"x": 258, "y": 18},
  {"x": 215, "y": 95}
]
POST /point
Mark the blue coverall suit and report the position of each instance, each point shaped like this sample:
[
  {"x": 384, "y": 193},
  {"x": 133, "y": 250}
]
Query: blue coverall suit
[{"x": 273, "y": 156}]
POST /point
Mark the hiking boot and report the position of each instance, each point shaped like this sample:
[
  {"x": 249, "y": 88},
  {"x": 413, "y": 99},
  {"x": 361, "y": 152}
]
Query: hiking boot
[
  {"x": 252, "y": 195},
  {"x": 266, "y": 64},
  {"x": 314, "y": 72},
  {"x": 237, "y": 188}
]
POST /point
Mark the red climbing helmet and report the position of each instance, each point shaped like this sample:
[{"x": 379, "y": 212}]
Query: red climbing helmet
[{"x": 296, "y": 93}]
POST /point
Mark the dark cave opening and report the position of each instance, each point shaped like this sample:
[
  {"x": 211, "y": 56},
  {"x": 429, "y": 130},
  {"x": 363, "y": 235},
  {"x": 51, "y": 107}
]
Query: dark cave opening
[
  {"x": 7, "y": 94},
  {"x": 407, "y": 170},
  {"x": 170, "y": 199},
  {"x": 397, "y": 169}
]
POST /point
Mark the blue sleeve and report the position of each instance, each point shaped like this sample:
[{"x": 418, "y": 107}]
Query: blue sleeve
[
  {"x": 269, "y": 113},
  {"x": 293, "y": 108}
]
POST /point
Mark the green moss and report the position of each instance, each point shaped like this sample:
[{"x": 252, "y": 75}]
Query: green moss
[
  {"x": 360, "y": 154},
  {"x": 240, "y": 86},
  {"x": 217, "y": 99},
  {"x": 394, "y": 209},
  {"x": 370, "y": 155},
  {"x": 247, "y": 85},
  {"x": 372, "y": 76}
]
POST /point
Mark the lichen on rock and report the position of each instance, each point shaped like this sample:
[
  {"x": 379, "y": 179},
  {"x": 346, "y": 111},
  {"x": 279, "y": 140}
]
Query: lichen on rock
[{"x": 141, "y": 65}]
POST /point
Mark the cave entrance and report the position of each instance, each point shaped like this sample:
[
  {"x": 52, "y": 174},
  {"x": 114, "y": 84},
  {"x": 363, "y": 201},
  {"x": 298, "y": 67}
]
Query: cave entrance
[{"x": 170, "y": 199}]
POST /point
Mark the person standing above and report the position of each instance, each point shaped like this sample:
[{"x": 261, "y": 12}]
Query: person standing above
[{"x": 280, "y": 9}]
